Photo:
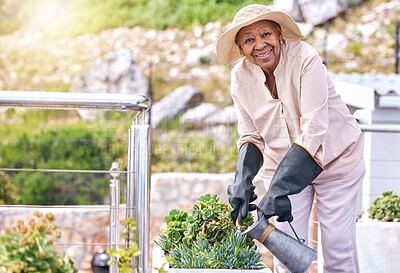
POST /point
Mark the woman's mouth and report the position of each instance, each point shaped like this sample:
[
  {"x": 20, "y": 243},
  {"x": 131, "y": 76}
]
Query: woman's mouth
[{"x": 264, "y": 55}]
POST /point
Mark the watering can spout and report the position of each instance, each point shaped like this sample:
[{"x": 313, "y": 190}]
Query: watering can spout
[{"x": 296, "y": 256}]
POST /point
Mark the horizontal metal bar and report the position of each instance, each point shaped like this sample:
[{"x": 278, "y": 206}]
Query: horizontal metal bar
[
  {"x": 58, "y": 171},
  {"x": 57, "y": 207},
  {"x": 87, "y": 244},
  {"x": 381, "y": 128},
  {"x": 62, "y": 207},
  {"x": 84, "y": 244},
  {"x": 73, "y": 100}
]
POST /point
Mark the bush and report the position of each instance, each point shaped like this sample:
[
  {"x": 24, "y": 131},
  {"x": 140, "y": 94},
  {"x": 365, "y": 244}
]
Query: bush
[
  {"x": 7, "y": 190},
  {"x": 70, "y": 147},
  {"x": 29, "y": 248},
  {"x": 386, "y": 207},
  {"x": 174, "y": 152}
]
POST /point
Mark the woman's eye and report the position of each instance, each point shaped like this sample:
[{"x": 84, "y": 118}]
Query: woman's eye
[
  {"x": 266, "y": 34},
  {"x": 249, "y": 40}
]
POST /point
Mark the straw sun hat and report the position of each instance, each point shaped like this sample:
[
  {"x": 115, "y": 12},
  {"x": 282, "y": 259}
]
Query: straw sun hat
[{"x": 227, "y": 50}]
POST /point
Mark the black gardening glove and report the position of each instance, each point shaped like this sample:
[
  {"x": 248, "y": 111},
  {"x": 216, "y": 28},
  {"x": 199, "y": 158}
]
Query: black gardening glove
[
  {"x": 296, "y": 171},
  {"x": 241, "y": 193}
]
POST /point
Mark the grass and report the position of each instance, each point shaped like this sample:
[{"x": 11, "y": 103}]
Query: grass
[{"x": 76, "y": 17}]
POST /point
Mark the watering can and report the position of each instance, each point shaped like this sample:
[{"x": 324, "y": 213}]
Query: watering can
[{"x": 296, "y": 256}]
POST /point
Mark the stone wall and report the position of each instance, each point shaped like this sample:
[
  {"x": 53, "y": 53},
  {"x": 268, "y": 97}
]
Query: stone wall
[{"x": 89, "y": 224}]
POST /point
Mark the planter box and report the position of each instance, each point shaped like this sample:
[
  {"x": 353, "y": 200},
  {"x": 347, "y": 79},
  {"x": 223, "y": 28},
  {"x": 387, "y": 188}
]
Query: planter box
[
  {"x": 378, "y": 246},
  {"x": 160, "y": 261}
]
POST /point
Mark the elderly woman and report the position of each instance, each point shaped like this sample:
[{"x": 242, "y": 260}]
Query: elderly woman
[{"x": 295, "y": 131}]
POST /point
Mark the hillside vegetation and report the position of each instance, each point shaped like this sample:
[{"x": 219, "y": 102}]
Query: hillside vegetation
[{"x": 74, "y": 17}]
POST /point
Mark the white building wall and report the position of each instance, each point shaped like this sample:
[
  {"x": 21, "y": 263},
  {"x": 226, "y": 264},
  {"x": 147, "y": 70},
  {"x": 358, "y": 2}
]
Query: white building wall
[{"x": 382, "y": 156}]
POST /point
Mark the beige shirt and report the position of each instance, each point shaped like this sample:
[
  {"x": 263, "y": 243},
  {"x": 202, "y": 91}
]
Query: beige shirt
[{"x": 308, "y": 112}]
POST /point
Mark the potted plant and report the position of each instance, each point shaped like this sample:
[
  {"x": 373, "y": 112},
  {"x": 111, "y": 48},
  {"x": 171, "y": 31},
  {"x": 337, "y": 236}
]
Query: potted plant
[
  {"x": 206, "y": 240},
  {"x": 30, "y": 248},
  {"x": 378, "y": 238}
]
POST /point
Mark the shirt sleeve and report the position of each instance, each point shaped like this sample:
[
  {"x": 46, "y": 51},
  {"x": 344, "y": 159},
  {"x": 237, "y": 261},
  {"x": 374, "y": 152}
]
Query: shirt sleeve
[
  {"x": 246, "y": 129},
  {"x": 314, "y": 119}
]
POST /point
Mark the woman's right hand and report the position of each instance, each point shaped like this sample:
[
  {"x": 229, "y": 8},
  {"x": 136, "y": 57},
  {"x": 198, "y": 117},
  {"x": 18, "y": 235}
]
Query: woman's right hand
[{"x": 241, "y": 193}]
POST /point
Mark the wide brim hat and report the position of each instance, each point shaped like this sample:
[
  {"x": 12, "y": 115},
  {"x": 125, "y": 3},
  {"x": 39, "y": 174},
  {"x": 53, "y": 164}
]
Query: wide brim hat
[{"x": 227, "y": 49}]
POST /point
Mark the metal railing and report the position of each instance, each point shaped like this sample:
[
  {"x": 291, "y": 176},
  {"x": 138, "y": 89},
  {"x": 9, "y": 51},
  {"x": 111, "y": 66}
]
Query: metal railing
[{"x": 139, "y": 143}]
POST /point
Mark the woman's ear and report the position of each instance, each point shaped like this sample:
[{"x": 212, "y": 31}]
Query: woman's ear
[
  {"x": 280, "y": 32},
  {"x": 241, "y": 50}
]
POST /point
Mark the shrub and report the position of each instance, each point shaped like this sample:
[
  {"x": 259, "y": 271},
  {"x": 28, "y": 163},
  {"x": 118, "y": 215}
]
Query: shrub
[
  {"x": 175, "y": 152},
  {"x": 7, "y": 190},
  {"x": 69, "y": 147},
  {"x": 386, "y": 207},
  {"x": 30, "y": 248}
]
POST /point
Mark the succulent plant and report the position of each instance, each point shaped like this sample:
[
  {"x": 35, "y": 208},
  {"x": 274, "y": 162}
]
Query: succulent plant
[
  {"x": 232, "y": 253},
  {"x": 386, "y": 207},
  {"x": 210, "y": 219},
  {"x": 207, "y": 238},
  {"x": 30, "y": 248}
]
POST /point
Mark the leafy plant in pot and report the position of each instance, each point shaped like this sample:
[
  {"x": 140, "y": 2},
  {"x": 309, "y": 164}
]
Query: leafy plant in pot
[
  {"x": 30, "y": 248},
  {"x": 386, "y": 208},
  {"x": 206, "y": 239},
  {"x": 377, "y": 239}
]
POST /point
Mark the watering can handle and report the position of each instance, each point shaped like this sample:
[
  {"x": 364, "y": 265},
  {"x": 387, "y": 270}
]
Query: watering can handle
[
  {"x": 295, "y": 234},
  {"x": 260, "y": 214}
]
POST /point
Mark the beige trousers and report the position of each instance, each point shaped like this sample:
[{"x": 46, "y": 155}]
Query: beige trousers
[{"x": 337, "y": 203}]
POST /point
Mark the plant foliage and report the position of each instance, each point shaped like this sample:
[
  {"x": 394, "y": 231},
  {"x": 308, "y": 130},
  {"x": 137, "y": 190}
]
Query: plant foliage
[
  {"x": 76, "y": 17},
  {"x": 30, "y": 248},
  {"x": 386, "y": 207},
  {"x": 123, "y": 256},
  {"x": 206, "y": 239},
  {"x": 69, "y": 147},
  {"x": 179, "y": 153},
  {"x": 232, "y": 253}
]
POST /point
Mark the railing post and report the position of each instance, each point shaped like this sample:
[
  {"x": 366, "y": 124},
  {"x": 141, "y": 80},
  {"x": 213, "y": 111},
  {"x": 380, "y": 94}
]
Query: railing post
[
  {"x": 138, "y": 187},
  {"x": 396, "y": 50},
  {"x": 114, "y": 212}
]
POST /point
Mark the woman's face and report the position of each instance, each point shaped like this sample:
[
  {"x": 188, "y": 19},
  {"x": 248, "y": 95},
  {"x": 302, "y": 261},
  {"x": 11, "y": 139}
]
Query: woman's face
[{"x": 260, "y": 43}]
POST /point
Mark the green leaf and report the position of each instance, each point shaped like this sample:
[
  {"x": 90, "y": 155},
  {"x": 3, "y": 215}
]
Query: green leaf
[{"x": 167, "y": 219}]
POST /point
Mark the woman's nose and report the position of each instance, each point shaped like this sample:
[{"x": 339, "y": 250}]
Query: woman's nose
[{"x": 260, "y": 43}]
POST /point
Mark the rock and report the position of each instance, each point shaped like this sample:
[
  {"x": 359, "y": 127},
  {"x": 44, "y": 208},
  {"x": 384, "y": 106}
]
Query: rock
[
  {"x": 176, "y": 102},
  {"x": 116, "y": 72},
  {"x": 305, "y": 28},
  {"x": 336, "y": 42},
  {"x": 227, "y": 116},
  {"x": 314, "y": 12},
  {"x": 317, "y": 12},
  {"x": 196, "y": 116},
  {"x": 290, "y": 7},
  {"x": 368, "y": 29},
  {"x": 197, "y": 55}
]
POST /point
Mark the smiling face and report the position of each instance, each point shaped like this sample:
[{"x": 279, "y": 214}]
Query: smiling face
[{"x": 260, "y": 43}]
